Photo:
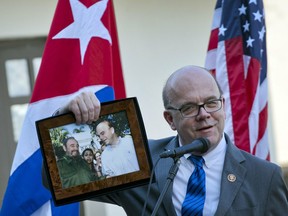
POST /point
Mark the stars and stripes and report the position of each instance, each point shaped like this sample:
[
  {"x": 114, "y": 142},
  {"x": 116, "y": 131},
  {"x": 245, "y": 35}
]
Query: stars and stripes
[{"x": 237, "y": 56}]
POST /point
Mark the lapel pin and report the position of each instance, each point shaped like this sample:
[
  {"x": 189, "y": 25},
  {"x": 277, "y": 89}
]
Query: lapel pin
[{"x": 231, "y": 178}]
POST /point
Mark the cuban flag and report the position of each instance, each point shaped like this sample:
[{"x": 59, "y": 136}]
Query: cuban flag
[{"x": 81, "y": 54}]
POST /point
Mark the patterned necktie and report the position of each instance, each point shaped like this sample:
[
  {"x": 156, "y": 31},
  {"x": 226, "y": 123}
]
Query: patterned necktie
[{"x": 195, "y": 196}]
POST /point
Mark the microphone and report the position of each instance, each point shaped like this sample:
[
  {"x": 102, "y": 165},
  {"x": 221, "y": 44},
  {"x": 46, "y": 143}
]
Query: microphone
[{"x": 200, "y": 145}]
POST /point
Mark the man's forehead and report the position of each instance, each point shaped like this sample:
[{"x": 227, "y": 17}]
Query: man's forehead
[
  {"x": 71, "y": 142},
  {"x": 102, "y": 125}
]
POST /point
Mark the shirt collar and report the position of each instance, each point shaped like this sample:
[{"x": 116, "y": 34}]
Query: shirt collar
[
  {"x": 211, "y": 157},
  {"x": 217, "y": 153}
]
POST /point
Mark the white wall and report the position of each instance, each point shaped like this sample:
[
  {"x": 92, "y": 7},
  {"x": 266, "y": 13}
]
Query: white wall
[
  {"x": 157, "y": 37},
  {"x": 277, "y": 45},
  {"x": 25, "y": 18}
]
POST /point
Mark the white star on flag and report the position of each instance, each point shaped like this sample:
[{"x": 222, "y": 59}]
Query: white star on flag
[
  {"x": 257, "y": 16},
  {"x": 253, "y": 1},
  {"x": 246, "y": 26},
  {"x": 87, "y": 24},
  {"x": 242, "y": 10},
  {"x": 222, "y": 30},
  {"x": 261, "y": 33},
  {"x": 250, "y": 41}
]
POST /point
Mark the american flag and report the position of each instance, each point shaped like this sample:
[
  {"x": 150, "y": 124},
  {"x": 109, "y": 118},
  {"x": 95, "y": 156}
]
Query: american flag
[{"x": 237, "y": 57}]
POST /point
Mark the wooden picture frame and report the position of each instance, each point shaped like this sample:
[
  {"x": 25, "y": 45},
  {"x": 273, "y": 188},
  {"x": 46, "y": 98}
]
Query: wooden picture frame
[{"x": 67, "y": 185}]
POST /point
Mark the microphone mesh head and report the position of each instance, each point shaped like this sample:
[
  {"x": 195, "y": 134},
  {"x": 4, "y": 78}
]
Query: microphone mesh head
[{"x": 206, "y": 144}]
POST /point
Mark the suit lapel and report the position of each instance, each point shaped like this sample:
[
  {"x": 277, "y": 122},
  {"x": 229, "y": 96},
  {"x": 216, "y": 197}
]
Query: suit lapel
[
  {"x": 232, "y": 177},
  {"x": 162, "y": 172}
]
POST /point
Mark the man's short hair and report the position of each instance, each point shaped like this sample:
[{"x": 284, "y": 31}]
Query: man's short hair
[{"x": 67, "y": 139}]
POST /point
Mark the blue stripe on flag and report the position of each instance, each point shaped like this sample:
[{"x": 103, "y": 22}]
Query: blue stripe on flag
[
  {"x": 70, "y": 209},
  {"x": 25, "y": 191},
  {"x": 105, "y": 94},
  {"x": 29, "y": 173}
]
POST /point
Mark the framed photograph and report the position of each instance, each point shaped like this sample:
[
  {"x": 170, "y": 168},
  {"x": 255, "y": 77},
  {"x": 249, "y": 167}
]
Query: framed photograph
[{"x": 89, "y": 160}]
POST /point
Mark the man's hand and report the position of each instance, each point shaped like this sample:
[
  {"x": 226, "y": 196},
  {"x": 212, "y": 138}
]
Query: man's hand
[{"x": 85, "y": 106}]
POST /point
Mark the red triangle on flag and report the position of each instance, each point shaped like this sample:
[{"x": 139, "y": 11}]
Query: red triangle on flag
[{"x": 63, "y": 70}]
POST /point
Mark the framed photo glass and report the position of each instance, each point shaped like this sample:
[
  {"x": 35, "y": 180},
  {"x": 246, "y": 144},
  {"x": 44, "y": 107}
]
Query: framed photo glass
[{"x": 88, "y": 160}]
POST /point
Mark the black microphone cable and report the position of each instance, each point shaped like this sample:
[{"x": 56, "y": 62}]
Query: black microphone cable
[
  {"x": 149, "y": 186},
  {"x": 205, "y": 144}
]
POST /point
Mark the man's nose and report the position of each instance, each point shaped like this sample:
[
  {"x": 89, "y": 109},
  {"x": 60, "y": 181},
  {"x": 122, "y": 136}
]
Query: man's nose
[{"x": 202, "y": 113}]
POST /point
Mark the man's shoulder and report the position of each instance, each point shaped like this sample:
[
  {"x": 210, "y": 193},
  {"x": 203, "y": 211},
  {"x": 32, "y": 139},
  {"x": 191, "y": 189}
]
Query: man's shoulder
[
  {"x": 162, "y": 140},
  {"x": 127, "y": 139},
  {"x": 62, "y": 160},
  {"x": 160, "y": 144},
  {"x": 250, "y": 160},
  {"x": 63, "y": 164},
  {"x": 258, "y": 161}
]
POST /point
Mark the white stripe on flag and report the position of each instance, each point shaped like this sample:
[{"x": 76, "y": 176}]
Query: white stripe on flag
[
  {"x": 36, "y": 111},
  {"x": 222, "y": 78},
  {"x": 216, "y": 18},
  {"x": 211, "y": 59},
  {"x": 262, "y": 149},
  {"x": 44, "y": 210},
  {"x": 254, "y": 121}
]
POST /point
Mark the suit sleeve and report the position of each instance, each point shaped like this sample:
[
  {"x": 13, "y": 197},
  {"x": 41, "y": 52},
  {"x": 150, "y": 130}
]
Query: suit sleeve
[{"x": 277, "y": 203}]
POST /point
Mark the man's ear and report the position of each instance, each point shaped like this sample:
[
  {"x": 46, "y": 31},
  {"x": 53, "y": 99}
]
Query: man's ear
[
  {"x": 112, "y": 130},
  {"x": 223, "y": 107},
  {"x": 64, "y": 148},
  {"x": 169, "y": 118}
]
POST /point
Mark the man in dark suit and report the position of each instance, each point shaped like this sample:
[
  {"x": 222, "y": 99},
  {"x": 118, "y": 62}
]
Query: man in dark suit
[{"x": 237, "y": 183}]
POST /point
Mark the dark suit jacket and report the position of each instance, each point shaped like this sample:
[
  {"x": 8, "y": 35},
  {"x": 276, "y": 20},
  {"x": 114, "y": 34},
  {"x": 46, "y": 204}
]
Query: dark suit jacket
[{"x": 259, "y": 188}]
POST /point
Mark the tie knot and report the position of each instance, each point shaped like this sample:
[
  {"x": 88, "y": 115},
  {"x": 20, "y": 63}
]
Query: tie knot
[{"x": 197, "y": 160}]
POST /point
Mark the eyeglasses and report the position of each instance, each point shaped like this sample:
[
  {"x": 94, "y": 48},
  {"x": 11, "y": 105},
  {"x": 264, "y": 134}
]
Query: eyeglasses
[{"x": 191, "y": 110}]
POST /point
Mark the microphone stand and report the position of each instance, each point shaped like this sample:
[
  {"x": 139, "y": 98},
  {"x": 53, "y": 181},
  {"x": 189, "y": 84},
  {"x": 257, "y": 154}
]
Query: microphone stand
[{"x": 172, "y": 173}]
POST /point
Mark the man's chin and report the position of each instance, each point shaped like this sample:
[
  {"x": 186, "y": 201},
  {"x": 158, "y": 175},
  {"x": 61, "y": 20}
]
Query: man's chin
[{"x": 75, "y": 154}]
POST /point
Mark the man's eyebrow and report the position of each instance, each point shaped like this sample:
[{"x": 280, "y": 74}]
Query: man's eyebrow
[{"x": 204, "y": 101}]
